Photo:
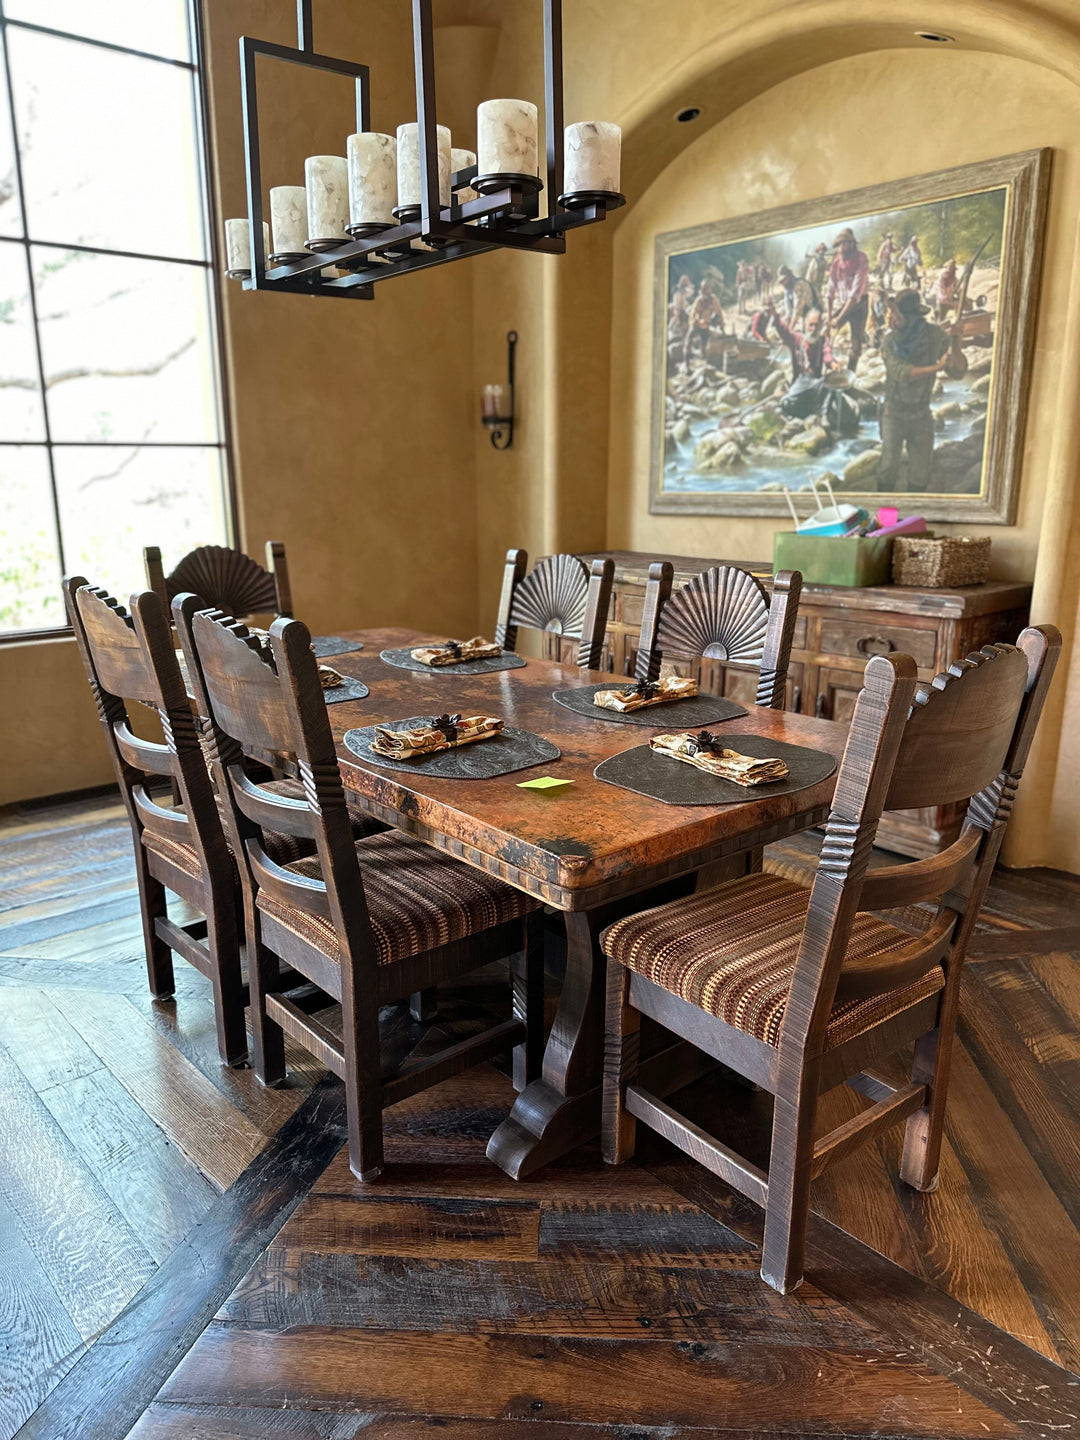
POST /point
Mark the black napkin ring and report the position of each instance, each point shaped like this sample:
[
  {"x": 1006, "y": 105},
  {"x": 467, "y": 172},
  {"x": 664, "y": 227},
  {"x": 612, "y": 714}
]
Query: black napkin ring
[
  {"x": 453, "y": 648},
  {"x": 705, "y": 742},
  {"x": 448, "y": 725},
  {"x": 647, "y": 688}
]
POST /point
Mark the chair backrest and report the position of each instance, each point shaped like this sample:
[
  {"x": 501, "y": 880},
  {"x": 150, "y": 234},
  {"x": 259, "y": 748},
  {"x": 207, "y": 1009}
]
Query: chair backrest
[
  {"x": 561, "y": 596},
  {"x": 724, "y": 613},
  {"x": 130, "y": 657},
  {"x": 226, "y": 578},
  {"x": 259, "y": 697},
  {"x": 966, "y": 735}
]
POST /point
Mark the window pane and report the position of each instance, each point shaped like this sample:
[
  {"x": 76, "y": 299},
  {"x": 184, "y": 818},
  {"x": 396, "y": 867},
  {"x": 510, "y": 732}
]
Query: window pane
[
  {"x": 108, "y": 147},
  {"x": 159, "y": 26},
  {"x": 20, "y": 394},
  {"x": 30, "y": 597},
  {"x": 10, "y": 214},
  {"x": 126, "y": 346},
  {"x": 113, "y": 501}
]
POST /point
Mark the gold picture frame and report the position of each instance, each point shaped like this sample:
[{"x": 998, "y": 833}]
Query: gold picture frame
[{"x": 741, "y": 348}]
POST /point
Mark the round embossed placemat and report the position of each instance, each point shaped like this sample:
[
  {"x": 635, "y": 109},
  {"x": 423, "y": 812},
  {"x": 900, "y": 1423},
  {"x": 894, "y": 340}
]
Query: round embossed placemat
[
  {"x": 647, "y": 772},
  {"x": 681, "y": 714},
  {"x": 482, "y": 760},
  {"x": 404, "y": 661}
]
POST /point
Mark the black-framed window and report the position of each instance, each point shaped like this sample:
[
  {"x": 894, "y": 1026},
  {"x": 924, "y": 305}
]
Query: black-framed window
[{"x": 112, "y": 424}]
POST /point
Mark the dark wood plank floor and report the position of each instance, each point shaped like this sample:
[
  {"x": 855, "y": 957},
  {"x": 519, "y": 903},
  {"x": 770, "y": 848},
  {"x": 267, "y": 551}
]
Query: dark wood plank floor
[{"x": 585, "y": 1301}]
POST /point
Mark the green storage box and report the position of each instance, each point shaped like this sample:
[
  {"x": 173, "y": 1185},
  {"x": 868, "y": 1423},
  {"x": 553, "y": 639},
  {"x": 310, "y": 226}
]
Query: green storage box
[{"x": 834, "y": 559}]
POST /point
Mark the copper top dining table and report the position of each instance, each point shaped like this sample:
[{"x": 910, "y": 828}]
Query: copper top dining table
[{"x": 591, "y": 850}]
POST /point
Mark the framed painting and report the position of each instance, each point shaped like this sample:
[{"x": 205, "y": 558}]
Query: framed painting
[{"x": 880, "y": 339}]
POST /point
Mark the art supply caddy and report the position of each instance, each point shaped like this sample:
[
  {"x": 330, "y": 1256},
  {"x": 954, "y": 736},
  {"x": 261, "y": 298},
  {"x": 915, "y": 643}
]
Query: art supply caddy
[{"x": 842, "y": 544}]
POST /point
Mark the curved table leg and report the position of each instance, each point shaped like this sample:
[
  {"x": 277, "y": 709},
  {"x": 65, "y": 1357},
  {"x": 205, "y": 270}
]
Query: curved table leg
[{"x": 562, "y": 1109}]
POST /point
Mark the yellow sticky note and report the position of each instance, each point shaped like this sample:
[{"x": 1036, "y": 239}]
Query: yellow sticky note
[{"x": 547, "y": 783}]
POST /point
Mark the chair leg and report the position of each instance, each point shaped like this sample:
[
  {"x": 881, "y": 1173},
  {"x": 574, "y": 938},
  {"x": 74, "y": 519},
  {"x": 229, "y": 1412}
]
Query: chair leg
[
  {"x": 159, "y": 963},
  {"x": 225, "y": 972},
  {"x": 788, "y": 1207},
  {"x": 363, "y": 1070},
  {"x": 622, "y": 1033},
  {"x": 424, "y": 1004},
  {"x": 527, "y": 994},
  {"x": 933, "y": 1060},
  {"x": 264, "y": 976}
]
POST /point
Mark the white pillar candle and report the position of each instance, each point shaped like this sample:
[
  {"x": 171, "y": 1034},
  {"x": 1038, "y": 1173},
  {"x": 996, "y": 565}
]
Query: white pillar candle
[
  {"x": 463, "y": 160},
  {"x": 591, "y": 157},
  {"x": 506, "y": 137},
  {"x": 372, "y": 178},
  {"x": 288, "y": 219},
  {"x": 408, "y": 164},
  {"x": 327, "y": 200},
  {"x": 238, "y": 246}
]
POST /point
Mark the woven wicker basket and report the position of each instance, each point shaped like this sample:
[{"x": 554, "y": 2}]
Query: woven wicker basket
[{"x": 937, "y": 564}]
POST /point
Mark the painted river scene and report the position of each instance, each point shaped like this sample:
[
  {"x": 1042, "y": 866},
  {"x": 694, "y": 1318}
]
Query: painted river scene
[{"x": 861, "y": 350}]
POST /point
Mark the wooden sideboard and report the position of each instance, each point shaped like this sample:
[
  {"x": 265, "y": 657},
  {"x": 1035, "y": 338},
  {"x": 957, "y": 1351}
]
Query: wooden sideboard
[{"x": 838, "y": 629}]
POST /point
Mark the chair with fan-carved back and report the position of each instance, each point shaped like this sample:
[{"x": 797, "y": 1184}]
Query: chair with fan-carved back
[
  {"x": 803, "y": 988},
  {"x": 226, "y": 578},
  {"x": 559, "y": 596},
  {"x": 725, "y": 614},
  {"x": 130, "y": 657},
  {"x": 370, "y": 921}
]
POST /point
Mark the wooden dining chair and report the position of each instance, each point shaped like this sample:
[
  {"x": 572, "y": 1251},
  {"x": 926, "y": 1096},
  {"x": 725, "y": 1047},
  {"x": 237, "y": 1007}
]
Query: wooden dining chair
[
  {"x": 800, "y": 989},
  {"x": 129, "y": 657},
  {"x": 559, "y": 596},
  {"x": 369, "y": 922},
  {"x": 722, "y": 614},
  {"x": 226, "y": 578}
]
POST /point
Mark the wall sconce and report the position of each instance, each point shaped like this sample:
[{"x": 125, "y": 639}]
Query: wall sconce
[{"x": 497, "y": 405}]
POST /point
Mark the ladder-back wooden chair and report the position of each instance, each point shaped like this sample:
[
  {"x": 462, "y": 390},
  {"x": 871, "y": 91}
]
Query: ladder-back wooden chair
[
  {"x": 722, "y": 614},
  {"x": 800, "y": 989},
  {"x": 559, "y": 596},
  {"x": 369, "y": 922},
  {"x": 226, "y": 578},
  {"x": 129, "y": 657}
]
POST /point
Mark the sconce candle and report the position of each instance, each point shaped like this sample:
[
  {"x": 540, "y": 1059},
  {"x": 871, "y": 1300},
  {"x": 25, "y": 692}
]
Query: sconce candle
[
  {"x": 497, "y": 402},
  {"x": 591, "y": 157},
  {"x": 327, "y": 201},
  {"x": 238, "y": 248},
  {"x": 463, "y": 160},
  {"x": 288, "y": 220},
  {"x": 408, "y": 169},
  {"x": 372, "y": 182},
  {"x": 506, "y": 144}
]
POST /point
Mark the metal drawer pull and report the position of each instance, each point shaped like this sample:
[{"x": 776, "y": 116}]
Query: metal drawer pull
[{"x": 874, "y": 645}]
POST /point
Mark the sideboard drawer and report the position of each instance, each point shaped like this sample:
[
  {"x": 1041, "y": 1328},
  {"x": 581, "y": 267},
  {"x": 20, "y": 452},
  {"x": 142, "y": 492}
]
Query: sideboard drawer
[{"x": 862, "y": 638}]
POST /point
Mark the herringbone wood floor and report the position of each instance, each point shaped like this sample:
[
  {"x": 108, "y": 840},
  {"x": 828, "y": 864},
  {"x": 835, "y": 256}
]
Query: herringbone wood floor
[{"x": 585, "y": 1301}]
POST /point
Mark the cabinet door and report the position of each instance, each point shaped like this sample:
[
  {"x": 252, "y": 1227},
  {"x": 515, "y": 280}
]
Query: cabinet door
[{"x": 837, "y": 691}]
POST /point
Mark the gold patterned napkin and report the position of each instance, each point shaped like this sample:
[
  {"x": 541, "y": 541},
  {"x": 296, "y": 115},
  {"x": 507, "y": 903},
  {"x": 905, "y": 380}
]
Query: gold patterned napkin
[
  {"x": 444, "y": 733},
  {"x": 456, "y": 652},
  {"x": 647, "y": 692},
  {"x": 329, "y": 679},
  {"x": 708, "y": 753}
]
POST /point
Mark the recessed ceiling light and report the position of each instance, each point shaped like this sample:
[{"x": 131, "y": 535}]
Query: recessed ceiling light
[
  {"x": 934, "y": 37},
  {"x": 690, "y": 113}
]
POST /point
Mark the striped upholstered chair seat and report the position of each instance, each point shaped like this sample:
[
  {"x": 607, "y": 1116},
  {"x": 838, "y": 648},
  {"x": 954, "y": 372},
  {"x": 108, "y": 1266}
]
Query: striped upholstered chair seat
[
  {"x": 281, "y": 848},
  {"x": 731, "y": 951},
  {"x": 417, "y": 898}
]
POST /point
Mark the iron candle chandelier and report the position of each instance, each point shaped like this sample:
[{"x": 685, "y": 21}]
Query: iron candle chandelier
[{"x": 504, "y": 211}]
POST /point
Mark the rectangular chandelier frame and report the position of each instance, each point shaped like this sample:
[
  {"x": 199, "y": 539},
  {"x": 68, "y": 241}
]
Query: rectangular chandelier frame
[{"x": 512, "y": 218}]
